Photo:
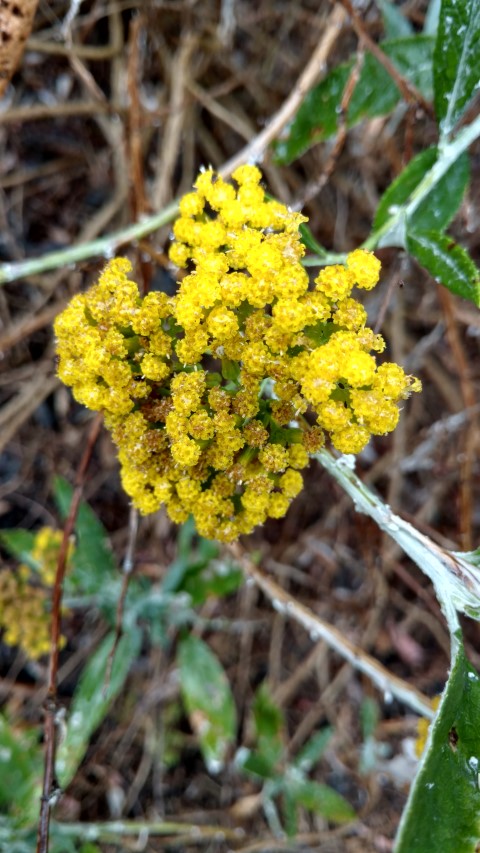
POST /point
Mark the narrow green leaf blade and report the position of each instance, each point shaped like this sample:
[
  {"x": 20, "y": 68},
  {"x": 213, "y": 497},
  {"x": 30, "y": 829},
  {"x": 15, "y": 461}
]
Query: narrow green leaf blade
[
  {"x": 456, "y": 61},
  {"x": 447, "y": 262},
  {"x": 443, "y": 808},
  {"x": 208, "y": 700},
  {"x": 91, "y": 703},
  {"x": 321, "y": 799},
  {"x": 313, "y": 750}
]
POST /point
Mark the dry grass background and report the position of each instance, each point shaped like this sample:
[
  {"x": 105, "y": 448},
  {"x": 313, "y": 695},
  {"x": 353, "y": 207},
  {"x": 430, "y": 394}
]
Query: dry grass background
[{"x": 115, "y": 107}]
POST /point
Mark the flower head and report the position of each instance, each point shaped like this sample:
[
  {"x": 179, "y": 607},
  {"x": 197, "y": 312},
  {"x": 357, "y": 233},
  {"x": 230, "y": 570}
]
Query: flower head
[{"x": 206, "y": 392}]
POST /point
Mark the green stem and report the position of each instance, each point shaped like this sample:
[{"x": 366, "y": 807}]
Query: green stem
[
  {"x": 456, "y": 582},
  {"x": 392, "y": 233},
  {"x": 447, "y": 155},
  {"x": 103, "y": 246}
]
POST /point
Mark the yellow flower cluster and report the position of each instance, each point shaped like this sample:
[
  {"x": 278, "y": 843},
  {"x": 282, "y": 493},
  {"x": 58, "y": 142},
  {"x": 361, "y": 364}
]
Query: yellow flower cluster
[
  {"x": 206, "y": 392},
  {"x": 25, "y": 600}
]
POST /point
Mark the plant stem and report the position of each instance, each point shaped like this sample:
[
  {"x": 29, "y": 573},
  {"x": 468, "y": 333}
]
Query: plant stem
[
  {"x": 456, "y": 582},
  {"x": 103, "y": 246}
]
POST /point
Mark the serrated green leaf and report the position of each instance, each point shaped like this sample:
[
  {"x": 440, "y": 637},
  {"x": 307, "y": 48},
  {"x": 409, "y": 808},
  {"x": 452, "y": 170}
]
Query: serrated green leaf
[
  {"x": 93, "y": 559},
  {"x": 443, "y": 808},
  {"x": 91, "y": 702},
  {"x": 320, "y": 799},
  {"x": 208, "y": 700},
  {"x": 438, "y": 208},
  {"x": 19, "y": 543},
  {"x": 456, "y": 60},
  {"x": 375, "y": 94},
  {"x": 402, "y": 187},
  {"x": 447, "y": 262},
  {"x": 396, "y": 24}
]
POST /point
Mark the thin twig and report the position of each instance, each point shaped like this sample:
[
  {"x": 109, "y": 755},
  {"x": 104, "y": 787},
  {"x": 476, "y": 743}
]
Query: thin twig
[
  {"x": 49, "y": 789},
  {"x": 409, "y": 92},
  {"x": 254, "y": 151},
  {"x": 319, "y": 629},
  {"x": 316, "y": 186},
  {"x": 37, "y": 112},
  {"x": 168, "y": 154}
]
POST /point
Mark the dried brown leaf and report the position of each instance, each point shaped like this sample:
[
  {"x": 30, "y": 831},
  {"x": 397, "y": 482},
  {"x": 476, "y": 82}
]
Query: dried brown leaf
[{"x": 16, "y": 19}]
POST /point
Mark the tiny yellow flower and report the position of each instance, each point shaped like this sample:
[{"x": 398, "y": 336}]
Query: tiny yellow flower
[{"x": 205, "y": 392}]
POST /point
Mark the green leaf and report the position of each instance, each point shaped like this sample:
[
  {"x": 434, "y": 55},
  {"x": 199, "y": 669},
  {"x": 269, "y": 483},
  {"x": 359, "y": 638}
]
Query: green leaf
[
  {"x": 217, "y": 579},
  {"x": 396, "y": 24},
  {"x": 93, "y": 560},
  {"x": 439, "y": 207},
  {"x": 268, "y": 716},
  {"x": 21, "y": 773},
  {"x": 472, "y": 557},
  {"x": 312, "y": 751},
  {"x": 447, "y": 262},
  {"x": 320, "y": 799},
  {"x": 198, "y": 570},
  {"x": 443, "y": 807},
  {"x": 91, "y": 702},
  {"x": 456, "y": 60},
  {"x": 257, "y": 764},
  {"x": 375, "y": 94},
  {"x": 430, "y": 26},
  {"x": 269, "y": 726},
  {"x": 19, "y": 543},
  {"x": 309, "y": 241},
  {"x": 208, "y": 700}
]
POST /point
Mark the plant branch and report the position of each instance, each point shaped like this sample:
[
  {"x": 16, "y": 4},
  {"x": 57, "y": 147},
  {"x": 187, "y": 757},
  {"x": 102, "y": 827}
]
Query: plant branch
[
  {"x": 409, "y": 92},
  {"x": 319, "y": 629},
  {"x": 456, "y": 581},
  {"x": 107, "y": 246},
  {"x": 49, "y": 790}
]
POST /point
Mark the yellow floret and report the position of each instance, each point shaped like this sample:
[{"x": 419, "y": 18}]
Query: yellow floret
[
  {"x": 291, "y": 483},
  {"x": 247, "y": 174},
  {"x": 199, "y": 388},
  {"x": 335, "y": 282},
  {"x": 352, "y": 439},
  {"x": 186, "y": 452},
  {"x": 364, "y": 267},
  {"x": 358, "y": 369}
]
